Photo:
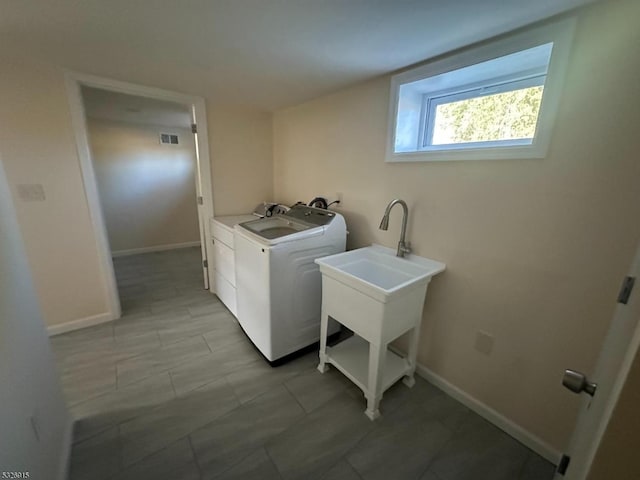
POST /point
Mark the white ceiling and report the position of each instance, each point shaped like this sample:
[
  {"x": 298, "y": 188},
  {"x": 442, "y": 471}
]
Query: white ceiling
[
  {"x": 121, "y": 107},
  {"x": 262, "y": 53}
]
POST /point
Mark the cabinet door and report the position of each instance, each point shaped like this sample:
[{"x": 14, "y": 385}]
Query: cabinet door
[
  {"x": 222, "y": 233},
  {"x": 225, "y": 261},
  {"x": 226, "y": 293}
]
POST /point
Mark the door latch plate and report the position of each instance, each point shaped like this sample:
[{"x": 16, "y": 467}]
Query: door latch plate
[
  {"x": 563, "y": 465},
  {"x": 625, "y": 290}
]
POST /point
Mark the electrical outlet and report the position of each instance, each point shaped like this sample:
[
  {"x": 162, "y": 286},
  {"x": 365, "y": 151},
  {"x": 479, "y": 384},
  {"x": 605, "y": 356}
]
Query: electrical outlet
[
  {"x": 31, "y": 192},
  {"x": 35, "y": 425},
  {"x": 337, "y": 198},
  {"x": 484, "y": 342}
]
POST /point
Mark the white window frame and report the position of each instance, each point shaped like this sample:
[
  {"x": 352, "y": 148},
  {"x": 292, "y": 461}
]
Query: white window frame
[{"x": 559, "y": 32}]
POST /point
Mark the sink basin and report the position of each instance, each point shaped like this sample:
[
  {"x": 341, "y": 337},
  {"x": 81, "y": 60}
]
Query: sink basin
[{"x": 377, "y": 272}]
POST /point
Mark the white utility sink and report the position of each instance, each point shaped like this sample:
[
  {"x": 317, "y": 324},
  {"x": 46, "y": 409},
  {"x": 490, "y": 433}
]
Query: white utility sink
[
  {"x": 379, "y": 296},
  {"x": 377, "y": 272}
]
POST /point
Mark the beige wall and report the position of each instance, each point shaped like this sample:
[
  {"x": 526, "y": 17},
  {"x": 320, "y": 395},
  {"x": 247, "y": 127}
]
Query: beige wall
[
  {"x": 535, "y": 249},
  {"x": 38, "y": 146},
  {"x": 28, "y": 377},
  {"x": 147, "y": 189},
  {"x": 617, "y": 456},
  {"x": 242, "y": 158}
]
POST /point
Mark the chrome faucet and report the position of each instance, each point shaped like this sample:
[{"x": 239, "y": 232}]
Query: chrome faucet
[{"x": 384, "y": 225}]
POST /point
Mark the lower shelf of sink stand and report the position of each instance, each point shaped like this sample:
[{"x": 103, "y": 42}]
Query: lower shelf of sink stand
[{"x": 351, "y": 357}]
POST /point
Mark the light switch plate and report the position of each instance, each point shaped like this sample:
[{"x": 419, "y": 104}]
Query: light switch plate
[{"x": 31, "y": 192}]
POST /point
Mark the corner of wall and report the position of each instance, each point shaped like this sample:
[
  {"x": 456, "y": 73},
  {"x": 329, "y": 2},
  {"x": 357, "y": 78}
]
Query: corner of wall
[{"x": 65, "y": 455}]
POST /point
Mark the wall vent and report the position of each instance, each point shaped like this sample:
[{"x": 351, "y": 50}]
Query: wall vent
[{"x": 168, "y": 139}]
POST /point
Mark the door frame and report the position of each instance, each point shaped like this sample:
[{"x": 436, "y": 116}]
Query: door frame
[{"x": 74, "y": 81}]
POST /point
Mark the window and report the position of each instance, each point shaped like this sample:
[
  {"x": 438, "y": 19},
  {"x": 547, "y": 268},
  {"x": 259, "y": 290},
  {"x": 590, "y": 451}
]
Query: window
[{"x": 494, "y": 101}]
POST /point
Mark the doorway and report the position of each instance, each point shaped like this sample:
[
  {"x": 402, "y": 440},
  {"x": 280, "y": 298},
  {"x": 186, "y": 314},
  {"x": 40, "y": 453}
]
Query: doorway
[{"x": 146, "y": 173}]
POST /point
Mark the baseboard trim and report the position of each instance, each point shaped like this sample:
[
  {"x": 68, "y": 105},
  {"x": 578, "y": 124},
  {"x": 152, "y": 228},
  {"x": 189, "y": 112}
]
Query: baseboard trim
[
  {"x": 80, "y": 323},
  {"x": 528, "y": 439},
  {"x": 155, "y": 248},
  {"x": 65, "y": 457}
]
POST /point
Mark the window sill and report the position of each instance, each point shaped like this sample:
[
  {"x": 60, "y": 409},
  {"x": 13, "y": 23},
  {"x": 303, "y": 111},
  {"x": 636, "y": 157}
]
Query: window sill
[{"x": 497, "y": 153}]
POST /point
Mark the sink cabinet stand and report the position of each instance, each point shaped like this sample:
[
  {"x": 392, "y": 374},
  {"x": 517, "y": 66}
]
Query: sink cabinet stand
[{"x": 365, "y": 358}]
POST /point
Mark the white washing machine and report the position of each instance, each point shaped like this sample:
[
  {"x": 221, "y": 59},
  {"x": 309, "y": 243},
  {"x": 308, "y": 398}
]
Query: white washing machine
[{"x": 279, "y": 287}]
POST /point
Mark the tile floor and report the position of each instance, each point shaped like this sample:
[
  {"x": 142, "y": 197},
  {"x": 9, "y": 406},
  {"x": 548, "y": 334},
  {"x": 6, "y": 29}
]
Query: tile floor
[{"x": 175, "y": 391}]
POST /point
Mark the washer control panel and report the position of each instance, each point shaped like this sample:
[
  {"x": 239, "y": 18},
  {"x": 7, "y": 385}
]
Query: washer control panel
[{"x": 314, "y": 216}]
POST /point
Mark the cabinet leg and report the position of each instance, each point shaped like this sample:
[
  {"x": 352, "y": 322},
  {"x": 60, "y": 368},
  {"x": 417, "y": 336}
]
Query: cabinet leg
[
  {"x": 373, "y": 410},
  {"x": 409, "y": 379},
  {"x": 324, "y": 325},
  {"x": 377, "y": 354}
]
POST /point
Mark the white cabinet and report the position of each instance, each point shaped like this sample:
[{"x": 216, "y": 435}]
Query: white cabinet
[
  {"x": 226, "y": 293},
  {"x": 224, "y": 258}
]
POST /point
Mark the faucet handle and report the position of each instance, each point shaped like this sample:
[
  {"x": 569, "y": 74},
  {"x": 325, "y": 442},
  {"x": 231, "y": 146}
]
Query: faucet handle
[{"x": 405, "y": 247}]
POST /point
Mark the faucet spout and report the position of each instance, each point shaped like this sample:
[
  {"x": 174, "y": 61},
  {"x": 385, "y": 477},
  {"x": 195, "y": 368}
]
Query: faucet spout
[{"x": 403, "y": 247}]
